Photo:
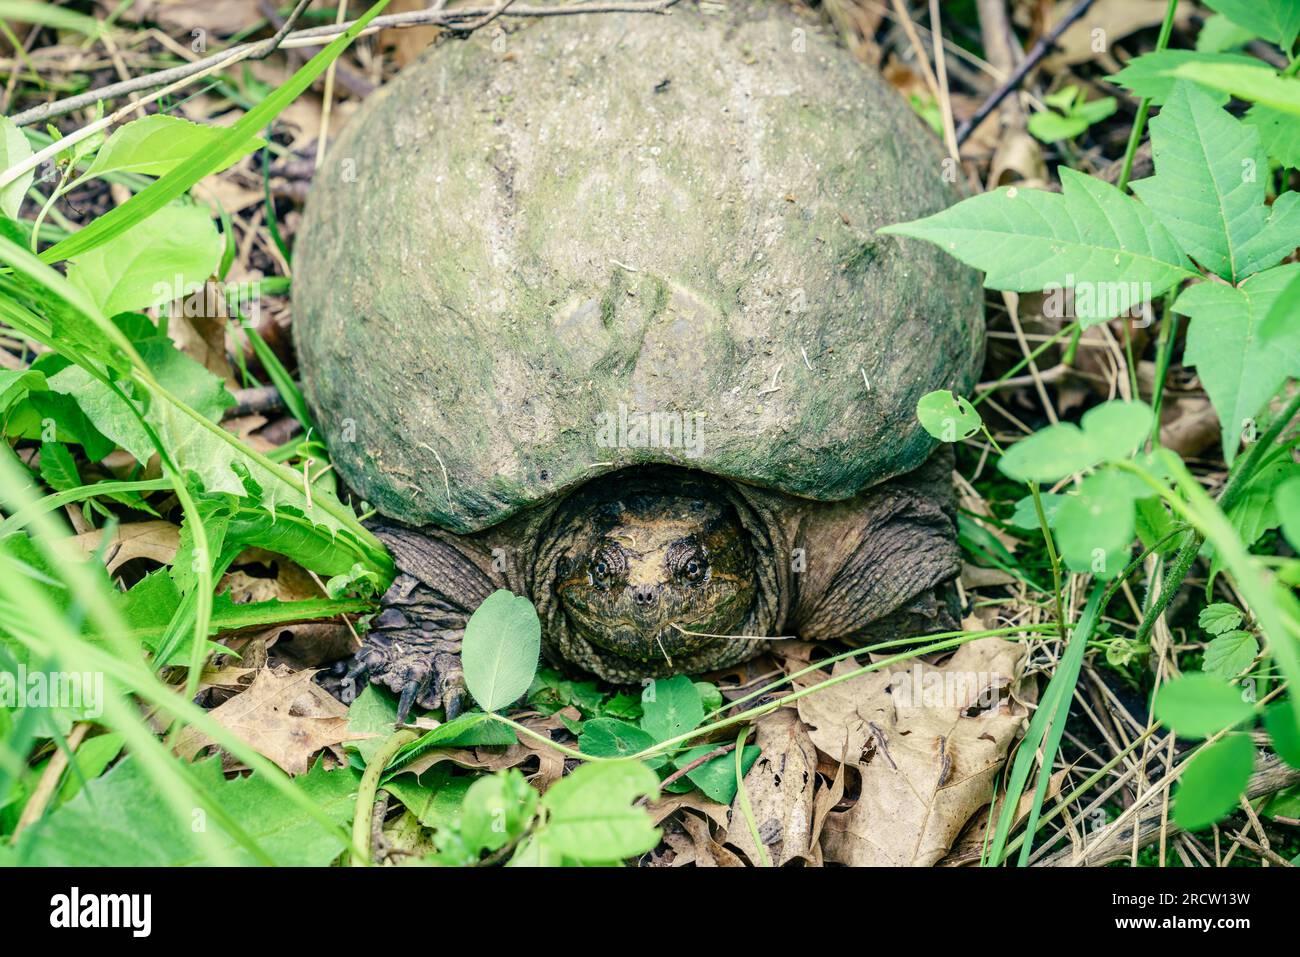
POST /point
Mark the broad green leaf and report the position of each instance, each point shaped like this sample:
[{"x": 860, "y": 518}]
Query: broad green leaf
[
  {"x": 1279, "y": 134},
  {"x": 1251, "y": 81},
  {"x": 1214, "y": 781},
  {"x": 1280, "y": 723},
  {"x": 1219, "y": 34},
  {"x": 435, "y": 797},
  {"x": 1239, "y": 369},
  {"x": 121, "y": 820},
  {"x": 671, "y": 706},
  {"x": 471, "y": 729},
  {"x": 14, "y": 149},
  {"x": 499, "y": 653},
  {"x": 154, "y": 262},
  {"x": 717, "y": 776},
  {"x": 155, "y": 145},
  {"x": 496, "y": 810},
  {"x": 1210, "y": 185},
  {"x": 1026, "y": 513},
  {"x": 1256, "y": 511},
  {"x": 1153, "y": 74},
  {"x": 58, "y": 469},
  {"x": 1219, "y": 617},
  {"x": 1095, "y": 527},
  {"x": 1230, "y": 654},
  {"x": 1105, "y": 245},
  {"x": 1198, "y": 705},
  {"x": 1277, "y": 21},
  {"x": 1108, "y": 432},
  {"x": 947, "y": 417},
  {"x": 1284, "y": 314},
  {"x": 611, "y": 738},
  {"x": 591, "y": 817}
]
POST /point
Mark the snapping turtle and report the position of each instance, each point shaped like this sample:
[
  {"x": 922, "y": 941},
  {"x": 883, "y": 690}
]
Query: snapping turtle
[{"x": 595, "y": 311}]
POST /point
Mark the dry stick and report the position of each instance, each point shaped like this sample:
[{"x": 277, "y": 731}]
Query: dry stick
[
  {"x": 319, "y": 36},
  {"x": 941, "y": 76},
  {"x": 49, "y": 781},
  {"x": 1044, "y": 44},
  {"x": 328, "y": 96}
]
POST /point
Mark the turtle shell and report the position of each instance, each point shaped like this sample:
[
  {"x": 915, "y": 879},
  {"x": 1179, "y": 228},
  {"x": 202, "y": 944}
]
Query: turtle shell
[{"x": 594, "y": 241}]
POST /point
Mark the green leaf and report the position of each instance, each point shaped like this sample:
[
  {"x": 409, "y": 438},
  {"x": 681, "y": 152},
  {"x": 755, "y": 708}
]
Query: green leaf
[
  {"x": 947, "y": 417},
  {"x": 150, "y": 264},
  {"x": 14, "y": 149},
  {"x": 1153, "y": 74},
  {"x": 717, "y": 776},
  {"x": 1285, "y": 311},
  {"x": 1219, "y": 618},
  {"x": 1280, "y": 723},
  {"x": 1214, "y": 781},
  {"x": 471, "y": 729},
  {"x": 1074, "y": 117},
  {"x": 157, "y": 144},
  {"x": 1026, "y": 514},
  {"x": 58, "y": 469},
  {"x": 1210, "y": 186},
  {"x": 1230, "y": 654},
  {"x": 1091, "y": 237},
  {"x": 1279, "y": 134},
  {"x": 497, "y": 809},
  {"x": 611, "y": 738},
  {"x": 1288, "y": 509},
  {"x": 590, "y": 813},
  {"x": 1277, "y": 21},
  {"x": 434, "y": 798},
  {"x": 121, "y": 820},
  {"x": 1250, "y": 81},
  {"x": 670, "y": 707},
  {"x": 1239, "y": 368},
  {"x": 1095, "y": 527},
  {"x": 500, "y": 649},
  {"x": 1219, "y": 34},
  {"x": 1198, "y": 705},
  {"x": 1109, "y": 432}
]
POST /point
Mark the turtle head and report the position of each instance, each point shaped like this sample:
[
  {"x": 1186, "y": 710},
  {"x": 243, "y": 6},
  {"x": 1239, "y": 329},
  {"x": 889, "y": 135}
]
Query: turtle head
[{"x": 651, "y": 568}]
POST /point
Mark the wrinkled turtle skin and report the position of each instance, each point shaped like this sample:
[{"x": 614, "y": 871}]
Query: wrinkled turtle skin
[{"x": 621, "y": 272}]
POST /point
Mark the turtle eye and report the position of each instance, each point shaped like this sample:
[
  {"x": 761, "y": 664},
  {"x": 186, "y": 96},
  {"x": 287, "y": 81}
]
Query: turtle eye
[
  {"x": 688, "y": 561},
  {"x": 607, "y": 563}
]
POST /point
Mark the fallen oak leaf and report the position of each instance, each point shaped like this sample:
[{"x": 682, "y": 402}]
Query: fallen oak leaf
[{"x": 780, "y": 787}]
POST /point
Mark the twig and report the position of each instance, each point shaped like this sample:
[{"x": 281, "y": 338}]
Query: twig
[
  {"x": 319, "y": 36},
  {"x": 1040, "y": 50}
]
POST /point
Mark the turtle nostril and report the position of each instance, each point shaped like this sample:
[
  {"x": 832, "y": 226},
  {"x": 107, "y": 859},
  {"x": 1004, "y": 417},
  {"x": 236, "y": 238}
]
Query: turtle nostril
[{"x": 643, "y": 595}]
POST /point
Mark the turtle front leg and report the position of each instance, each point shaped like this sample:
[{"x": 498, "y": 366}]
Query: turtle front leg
[
  {"x": 413, "y": 646},
  {"x": 881, "y": 566}
]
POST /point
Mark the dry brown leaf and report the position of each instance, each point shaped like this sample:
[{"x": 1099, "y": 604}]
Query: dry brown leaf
[
  {"x": 708, "y": 852},
  {"x": 927, "y": 748},
  {"x": 182, "y": 18},
  {"x": 287, "y": 718},
  {"x": 1105, "y": 22},
  {"x": 780, "y": 788},
  {"x": 156, "y": 540},
  {"x": 409, "y": 42}
]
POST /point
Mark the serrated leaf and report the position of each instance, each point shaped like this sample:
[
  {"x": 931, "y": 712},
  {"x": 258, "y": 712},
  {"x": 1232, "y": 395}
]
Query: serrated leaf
[
  {"x": 14, "y": 149},
  {"x": 1279, "y": 134},
  {"x": 1277, "y": 21},
  {"x": 1219, "y": 617},
  {"x": 152, "y": 263},
  {"x": 947, "y": 417},
  {"x": 1218, "y": 34},
  {"x": 1153, "y": 75},
  {"x": 1090, "y": 237},
  {"x": 1250, "y": 80},
  {"x": 500, "y": 649},
  {"x": 1230, "y": 654},
  {"x": 58, "y": 468},
  {"x": 157, "y": 144},
  {"x": 1198, "y": 705},
  {"x": 1214, "y": 781},
  {"x": 1210, "y": 185},
  {"x": 1238, "y": 367},
  {"x": 591, "y": 817}
]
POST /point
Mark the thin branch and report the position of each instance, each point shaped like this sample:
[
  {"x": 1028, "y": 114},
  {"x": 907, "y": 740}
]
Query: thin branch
[{"x": 319, "y": 36}]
